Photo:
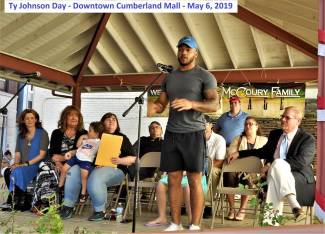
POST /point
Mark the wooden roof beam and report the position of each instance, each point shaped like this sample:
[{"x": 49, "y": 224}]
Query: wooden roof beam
[
  {"x": 282, "y": 75},
  {"x": 275, "y": 31},
  {"x": 24, "y": 66},
  {"x": 93, "y": 44}
]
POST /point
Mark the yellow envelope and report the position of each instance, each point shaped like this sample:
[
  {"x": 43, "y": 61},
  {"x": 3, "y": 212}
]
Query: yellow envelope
[{"x": 109, "y": 147}]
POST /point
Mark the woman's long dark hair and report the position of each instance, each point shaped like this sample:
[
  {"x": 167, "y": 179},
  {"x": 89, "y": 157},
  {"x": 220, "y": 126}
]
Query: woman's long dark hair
[
  {"x": 259, "y": 130},
  {"x": 21, "y": 123},
  {"x": 108, "y": 115},
  {"x": 63, "y": 125}
]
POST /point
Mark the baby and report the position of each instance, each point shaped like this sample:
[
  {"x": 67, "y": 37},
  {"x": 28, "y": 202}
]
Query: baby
[{"x": 84, "y": 157}]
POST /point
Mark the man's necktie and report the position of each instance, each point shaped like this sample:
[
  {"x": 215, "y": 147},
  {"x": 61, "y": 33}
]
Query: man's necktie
[{"x": 284, "y": 146}]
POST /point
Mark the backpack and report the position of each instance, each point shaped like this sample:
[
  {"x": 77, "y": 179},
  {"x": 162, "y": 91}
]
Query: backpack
[{"x": 45, "y": 192}]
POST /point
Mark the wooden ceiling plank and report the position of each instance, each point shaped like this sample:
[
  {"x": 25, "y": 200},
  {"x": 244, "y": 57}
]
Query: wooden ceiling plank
[
  {"x": 71, "y": 47},
  {"x": 226, "y": 40},
  {"x": 93, "y": 44},
  {"x": 108, "y": 58},
  {"x": 275, "y": 31},
  {"x": 287, "y": 12},
  {"x": 39, "y": 32},
  {"x": 146, "y": 42},
  {"x": 84, "y": 25},
  {"x": 125, "y": 48},
  {"x": 168, "y": 35},
  {"x": 92, "y": 66},
  {"x": 24, "y": 66},
  {"x": 290, "y": 55},
  {"x": 17, "y": 24},
  {"x": 259, "y": 46}
]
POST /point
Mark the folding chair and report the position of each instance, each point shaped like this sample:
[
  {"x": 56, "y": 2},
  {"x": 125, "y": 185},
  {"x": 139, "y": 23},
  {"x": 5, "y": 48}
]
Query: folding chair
[
  {"x": 210, "y": 188},
  {"x": 309, "y": 214},
  {"x": 248, "y": 165},
  {"x": 150, "y": 159},
  {"x": 112, "y": 196}
]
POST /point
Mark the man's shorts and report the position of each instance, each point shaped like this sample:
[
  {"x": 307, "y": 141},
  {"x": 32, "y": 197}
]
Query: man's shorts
[
  {"x": 183, "y": 152},
  {"x": 86, "y": 165}
]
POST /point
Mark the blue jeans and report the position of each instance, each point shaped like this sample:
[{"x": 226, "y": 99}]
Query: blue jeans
[{"x": 98, "y": 181}]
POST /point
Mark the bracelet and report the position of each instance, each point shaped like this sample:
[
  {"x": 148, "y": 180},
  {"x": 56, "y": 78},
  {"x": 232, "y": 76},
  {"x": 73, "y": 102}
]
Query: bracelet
[{"x": 26, "y": 163}]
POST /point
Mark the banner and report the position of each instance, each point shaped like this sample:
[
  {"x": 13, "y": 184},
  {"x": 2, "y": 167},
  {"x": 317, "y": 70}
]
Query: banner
[{"x": 258, "y": 99}]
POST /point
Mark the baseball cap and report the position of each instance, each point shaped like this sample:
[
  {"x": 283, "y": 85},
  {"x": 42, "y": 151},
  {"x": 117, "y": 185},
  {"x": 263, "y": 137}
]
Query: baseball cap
[
  {"x": 234, "y": 99},
  {"x": 187, "y": 40}
]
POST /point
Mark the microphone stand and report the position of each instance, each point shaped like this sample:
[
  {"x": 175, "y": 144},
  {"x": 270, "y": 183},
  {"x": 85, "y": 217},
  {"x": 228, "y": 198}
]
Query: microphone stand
[
  {"x": 4, "y": 112},
  {"x": 139, "y": 100}
]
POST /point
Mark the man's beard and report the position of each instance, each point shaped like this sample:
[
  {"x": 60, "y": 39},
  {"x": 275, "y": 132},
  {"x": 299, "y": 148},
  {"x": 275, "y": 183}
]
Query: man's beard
[{"x": 185, "y": 64}]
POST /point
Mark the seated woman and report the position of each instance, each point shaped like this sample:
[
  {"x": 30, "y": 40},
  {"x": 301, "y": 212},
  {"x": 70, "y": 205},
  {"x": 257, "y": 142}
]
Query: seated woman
[
  {"x": 250, "y": 139},
  {"x": 31, "y": 148},
  {"x": 65, "y": 137},
  {"x": 101, "y": 177},
  {"x": 161, "y": 192}
]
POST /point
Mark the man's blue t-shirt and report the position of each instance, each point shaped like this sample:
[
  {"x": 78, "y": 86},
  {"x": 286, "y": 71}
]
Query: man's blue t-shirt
[{"x": 229, "y": 126}]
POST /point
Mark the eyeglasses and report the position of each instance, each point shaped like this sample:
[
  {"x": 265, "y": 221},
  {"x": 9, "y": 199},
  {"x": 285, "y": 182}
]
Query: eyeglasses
[
  {"x": 286, "y": 117},
  {"x": 250, "y": 124}
]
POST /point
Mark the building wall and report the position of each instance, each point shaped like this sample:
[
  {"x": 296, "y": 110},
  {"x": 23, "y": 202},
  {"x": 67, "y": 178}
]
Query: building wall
[
  {"x": 10, "y": 140},
  {"x": 93, "y": 106}
]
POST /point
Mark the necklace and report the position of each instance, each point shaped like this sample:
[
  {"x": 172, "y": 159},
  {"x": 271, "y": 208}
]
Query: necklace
[{"x": 29, "y": 139}]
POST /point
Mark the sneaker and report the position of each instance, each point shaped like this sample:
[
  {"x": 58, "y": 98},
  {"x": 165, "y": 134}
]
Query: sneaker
[
  {"x": 97, "y": 216},
  {"x": 6, "y": 207},
  {"x": 194, "y": 227},
  {"x": 174, "y": 227},
  {"x": 66, "y": 212},
  {"x": 298, "y": 213}
]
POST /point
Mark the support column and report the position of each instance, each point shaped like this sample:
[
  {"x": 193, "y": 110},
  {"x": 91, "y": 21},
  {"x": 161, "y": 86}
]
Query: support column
[
  {"x": 320, "y": 177},
  {"x": 76, "y": 96}
]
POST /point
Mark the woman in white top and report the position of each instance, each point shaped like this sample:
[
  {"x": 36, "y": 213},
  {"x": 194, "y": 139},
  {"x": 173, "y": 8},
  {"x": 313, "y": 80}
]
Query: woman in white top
[{"x": 250, "y": 139}]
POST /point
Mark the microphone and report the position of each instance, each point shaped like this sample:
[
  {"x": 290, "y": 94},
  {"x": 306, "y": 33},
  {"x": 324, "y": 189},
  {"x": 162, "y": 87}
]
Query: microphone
[
  {"x": 165, "y": 68},
  {"x": 36, "y": 74}
]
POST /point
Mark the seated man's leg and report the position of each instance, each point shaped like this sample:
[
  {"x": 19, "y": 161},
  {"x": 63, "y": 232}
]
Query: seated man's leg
[
  {"x": 162, "y": 203},
  {"x": 280, "y": 184}
]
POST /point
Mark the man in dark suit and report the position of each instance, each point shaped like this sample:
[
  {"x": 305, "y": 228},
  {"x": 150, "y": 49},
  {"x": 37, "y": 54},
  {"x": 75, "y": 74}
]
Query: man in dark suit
[{"x": 289, "y": 154}]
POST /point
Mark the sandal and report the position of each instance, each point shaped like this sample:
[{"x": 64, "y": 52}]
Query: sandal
[
  {"x": 83, "y": 198},
  {"x": 231, "y": 214},
  {"x": 240, "y": 215}
]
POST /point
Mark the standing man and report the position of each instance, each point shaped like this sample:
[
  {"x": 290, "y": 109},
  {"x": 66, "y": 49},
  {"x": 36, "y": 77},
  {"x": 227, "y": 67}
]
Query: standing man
[
  {"x": 289, "y": 153},
  {"x": 231, "y": 124},
  {"x": 190, "y": 90}
]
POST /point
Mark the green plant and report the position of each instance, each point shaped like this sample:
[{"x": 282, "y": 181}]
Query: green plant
[
  {"x": 50, "y": 222},
  {"x": 268, "y": 216}
]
